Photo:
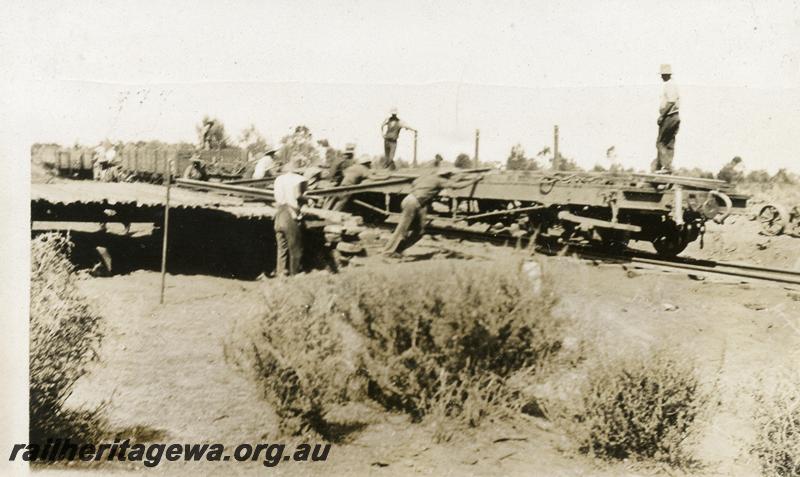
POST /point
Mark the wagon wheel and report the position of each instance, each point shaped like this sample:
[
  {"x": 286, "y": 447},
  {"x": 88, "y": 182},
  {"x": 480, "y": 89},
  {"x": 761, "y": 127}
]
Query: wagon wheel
[
  {"x": 670, "y": 243},
  {"x": 794, "y": 226},
  {"x": 614, "y": 241},
  {"x": 773, "y": 218}
]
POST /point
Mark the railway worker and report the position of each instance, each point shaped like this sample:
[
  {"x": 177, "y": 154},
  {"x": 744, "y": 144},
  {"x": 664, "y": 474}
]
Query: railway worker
[
  {"x": 733, "y": 171},
  {"x": 265, "y": 164},
  {"x": 669, "y": 122},
  {"x": 412, "y": 221},
  {"x": 104, "y": 169},
  {"x": 391, "y": 132},
  {"x": 196, "y": 170},
  {"x": 338, "y": 164},
  {"x": 110, "y": 154},
  {"x": 98, "y": 160},
  {"x": 208, "y": 125},
  {"x": 289, "y": 189},
  {"x": 354, "y": 175}
]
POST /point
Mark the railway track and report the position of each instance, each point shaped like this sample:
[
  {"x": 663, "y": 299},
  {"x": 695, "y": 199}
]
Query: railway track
[
  {"x": 742, "y": 271},
  {"x": 639, "y": 259}
]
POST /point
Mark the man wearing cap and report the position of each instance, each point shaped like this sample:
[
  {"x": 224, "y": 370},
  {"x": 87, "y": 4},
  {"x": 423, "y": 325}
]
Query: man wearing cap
[
  {"x": 289, "y": 190},
  {"x": 353, "y": 175},
  {"x": 412, "y": 221},
  {"x": 391, "y": 132},
  {"x": 339, "y": 163},
  {"x": 668, "y": 123},
  {"x": 264, "y": 164}
]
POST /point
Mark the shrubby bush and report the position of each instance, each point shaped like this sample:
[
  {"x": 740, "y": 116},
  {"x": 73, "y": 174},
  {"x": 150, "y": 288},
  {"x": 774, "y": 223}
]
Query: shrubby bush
[
  {"x": 635, "y": 407},
  {"x": 777, "y": 424},
  {"x": 64, "y": 336},
  {"x": 431, "y": 339}
]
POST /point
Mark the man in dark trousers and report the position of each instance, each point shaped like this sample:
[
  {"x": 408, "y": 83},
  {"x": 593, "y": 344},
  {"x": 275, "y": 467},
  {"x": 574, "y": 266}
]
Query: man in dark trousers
[
  {"x": 412, "y": 221},
  {"x": 391, "y": 132},
  {"x": 669, "y": 122},
  {"x": 289, "y": 190}
]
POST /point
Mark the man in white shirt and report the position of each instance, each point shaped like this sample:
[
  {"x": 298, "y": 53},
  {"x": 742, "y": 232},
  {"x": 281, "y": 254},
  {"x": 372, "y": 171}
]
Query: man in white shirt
[
  {"x": 289, "y": 191},
  {"x": 265, "y": 164},
  {"x": 669, "y": 122}
]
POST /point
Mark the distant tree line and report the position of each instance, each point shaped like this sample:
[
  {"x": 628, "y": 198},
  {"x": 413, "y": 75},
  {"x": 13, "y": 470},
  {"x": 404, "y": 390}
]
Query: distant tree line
[{"x": 301, "y": 145}]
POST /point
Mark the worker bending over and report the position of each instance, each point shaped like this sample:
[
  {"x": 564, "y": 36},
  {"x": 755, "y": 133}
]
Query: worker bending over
[
  {"x": 412, "y": 221},
  {"x": 354, "y": 175}
]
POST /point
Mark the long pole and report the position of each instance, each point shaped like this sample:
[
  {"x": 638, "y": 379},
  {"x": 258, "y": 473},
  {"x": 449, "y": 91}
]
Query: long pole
[
  {"x": 168, "y": 181},
  {"x": 555, "y": 147},
  {"x": 414, "y": 162},
  {"x": 477, "y": 143}
]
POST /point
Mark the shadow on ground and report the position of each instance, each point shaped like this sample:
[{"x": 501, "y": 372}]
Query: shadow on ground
[{"x": 229, "y": 248}]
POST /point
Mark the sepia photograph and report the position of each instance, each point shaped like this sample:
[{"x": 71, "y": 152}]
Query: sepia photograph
[{"x": 422, "y": 238}]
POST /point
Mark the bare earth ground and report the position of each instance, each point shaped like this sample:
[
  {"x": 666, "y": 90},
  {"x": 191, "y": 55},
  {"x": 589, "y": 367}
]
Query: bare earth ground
[{"x": 163, "y": 367}]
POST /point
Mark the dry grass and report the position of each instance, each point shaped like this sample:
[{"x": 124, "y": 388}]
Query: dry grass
[
  {"x": 436, "y": 340},
  {"x": 786, "y": 194},
  {"x": 777, "y": 422},
  {"x": 641, "y": 407},
  {"x": 64, "y": 336}
]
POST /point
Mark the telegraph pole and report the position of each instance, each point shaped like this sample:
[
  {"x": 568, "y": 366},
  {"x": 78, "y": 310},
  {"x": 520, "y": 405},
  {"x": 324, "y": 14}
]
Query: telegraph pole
[
  {"x": 168, "y": 182},
  {"x": 477, "y": 143},
  {"x": 555, "y": 147},
  {"x": 414, "y": 161}
]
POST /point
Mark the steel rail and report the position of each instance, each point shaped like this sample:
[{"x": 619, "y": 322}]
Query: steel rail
[
  {"x": 704, "y": 266},
  {"x": 747, "y": 271}
]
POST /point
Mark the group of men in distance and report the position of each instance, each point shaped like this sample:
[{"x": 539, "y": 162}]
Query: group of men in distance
[
  {"x": 292, "y": 183},
  {"x": 290, "y": 187}
]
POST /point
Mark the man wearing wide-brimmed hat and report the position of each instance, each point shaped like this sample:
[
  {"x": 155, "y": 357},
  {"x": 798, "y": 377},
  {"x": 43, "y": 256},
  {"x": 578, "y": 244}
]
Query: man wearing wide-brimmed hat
[
  {"x": 339, "y": 163},
  {"x": 196, "y": 170},
  {"x": 669, "y": 122},
  {"x": 289, "y": 190},
  {"x": 265, "y": 163},
  {"x": 423, "y": 190},
  {"x": 391, "y": 132},
  {"x": 353, "y": 175}
]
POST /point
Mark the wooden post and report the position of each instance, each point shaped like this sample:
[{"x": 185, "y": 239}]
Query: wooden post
[
  {"x": 555, "y": 147},
  {"x": 477, "y": 143},
  {"x": 168, "y": 181},
  {"x": 414, "y": 161}
]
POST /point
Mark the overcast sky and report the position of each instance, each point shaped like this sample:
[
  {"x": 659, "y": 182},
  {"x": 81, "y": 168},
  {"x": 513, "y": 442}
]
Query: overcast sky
[{"x": 84, "y": 71}]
